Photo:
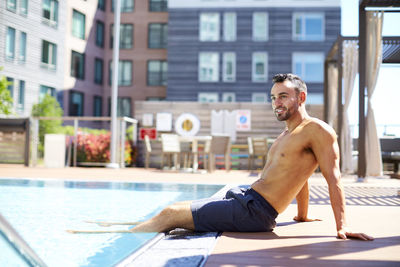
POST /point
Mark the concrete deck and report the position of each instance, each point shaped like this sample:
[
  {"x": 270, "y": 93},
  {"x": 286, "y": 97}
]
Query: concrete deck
[{"x": 373, "y": 207}]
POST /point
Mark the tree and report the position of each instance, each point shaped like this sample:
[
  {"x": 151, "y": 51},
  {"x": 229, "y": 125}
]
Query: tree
[
  {"x": 6, "y": 101},
  {"x": 48, "y": 107}
]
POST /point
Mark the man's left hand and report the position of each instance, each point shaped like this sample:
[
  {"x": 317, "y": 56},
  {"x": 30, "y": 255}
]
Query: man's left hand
[{"x": 345, "y": 234}]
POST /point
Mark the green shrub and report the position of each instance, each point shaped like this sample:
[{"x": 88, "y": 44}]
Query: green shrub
[
  {"x": 48, "y": 107},
  {"x": 6, "y": 101}
]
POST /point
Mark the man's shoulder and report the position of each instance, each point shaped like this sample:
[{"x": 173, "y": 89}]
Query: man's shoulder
[{"x": 318, "y": 126}]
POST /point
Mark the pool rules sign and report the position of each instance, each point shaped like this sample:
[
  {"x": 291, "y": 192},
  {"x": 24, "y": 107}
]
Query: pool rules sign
[{"x": 243, "y": 120}]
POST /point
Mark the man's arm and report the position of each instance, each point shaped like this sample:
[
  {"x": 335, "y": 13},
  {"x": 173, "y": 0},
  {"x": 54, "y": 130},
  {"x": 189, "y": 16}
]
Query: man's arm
[
  {"x": 326, "y": 150},
  {"x": 302, "y": 199}
]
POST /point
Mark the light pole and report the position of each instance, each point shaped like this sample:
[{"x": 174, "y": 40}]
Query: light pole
[{"x": 114, "y": 87}]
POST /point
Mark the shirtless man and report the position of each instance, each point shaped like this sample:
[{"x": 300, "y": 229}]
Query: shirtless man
[{"x": 305, "y": 144}]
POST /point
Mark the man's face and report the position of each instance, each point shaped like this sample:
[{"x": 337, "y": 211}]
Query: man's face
[{"x": 285, "y": 100}]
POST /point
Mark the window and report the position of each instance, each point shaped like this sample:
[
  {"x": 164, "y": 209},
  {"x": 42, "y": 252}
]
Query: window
[
  {"x": 308, "y": 27},
  {"x": 229, "y": 26},
  {"x": 10, "y": 43},
  {"x": 126, "y": 5},
  {"x": 260, "y": 26},
  {"x": 75, "y": 103},
  {"x": 46, "y": 90},
  {"x": 229, "y": 67},
  {"x": 21, "y": 96},
  {"x": 207, "y": 97},
  {"x": 228, "y": 97},
  {"x": 99, "y": 33},
  {"x": 158, "y": 34},
  {"x": 78, "y": 24},
  {"x": 315, "y": 99},
  {"x": 157, "y": 73},
  {"x": 101, "y": 4},
  {"x": 260, "y": 67},
  {"x": 49, "y": 55},
  {"x": 10, "y": 86},
  {"x": 125, "y": 36},
  {"x": 209, "y": 27},
  {"x": 23, "y": 8},
  {"x": 98, "y": 71},
  {"x": 50, "y": 12},
  {"x": 97, "y": 106},
  {"x": 158, "y": 5},
  {"x": 259, "y": 98},
  {"x": 22, "y": 47},
  {"x": 208, "y": 67},
  {"x": 124, "y": 107},
  {"x": 309, "y": 66},
  {"x": 12, "y": 5},
  {"x": 124, "y": 73},
  {"x": 77, "y": 65}
]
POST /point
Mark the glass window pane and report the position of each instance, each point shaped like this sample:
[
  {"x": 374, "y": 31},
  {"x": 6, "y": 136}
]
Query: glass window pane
[
  {"x": 10, "y": 86},
  {"x": 100, "y": 34},
  {"x": 313, "y": 28},
  {"x": 22, "y": 47},
  {"x": 260, "y": 26},
  {"x": 260, "y": 67},
  {"x": 98, "y": 71},
  {"x": 23, "y": 7},
  {"x": 126, "y": 36},
  {"x": 158, "y": 35},
  {"x": 308, "y": 26},
  {"x": 12, "y": 5},
  {"x": 78, "y": 24},
  {"x": 208, "y": 67},
  {"x": 50, "y": 11},
  {"x": 97, "y": 106},
  {"x": 10, "y": 43},
  {"x": 209, "y": 27},
  {"x": 313, "y": 72},
  {"x": 77, "y": 65},
  {"x": 229, "y": 67},
  {"x": 309, "y": 66},
  {"x": 229, "y": 26},
  {"x": 101, "y": 4},
  {"x": 158, "y": 5},
  {"x": 76, "y": 104},
  {"x": 21, "y": 96}
]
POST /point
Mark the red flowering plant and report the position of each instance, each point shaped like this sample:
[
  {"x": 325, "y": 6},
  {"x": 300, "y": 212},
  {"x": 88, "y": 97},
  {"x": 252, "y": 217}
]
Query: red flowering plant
[{"x": 96, "y": 148}]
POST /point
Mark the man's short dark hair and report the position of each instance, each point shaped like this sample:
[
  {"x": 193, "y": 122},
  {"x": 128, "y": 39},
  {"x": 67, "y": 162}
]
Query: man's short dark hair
[{"x": 298, "y": 83}]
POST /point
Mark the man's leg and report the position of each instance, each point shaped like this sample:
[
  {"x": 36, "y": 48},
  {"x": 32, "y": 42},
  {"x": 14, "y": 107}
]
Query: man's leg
[{"x": 178, "y": 215}]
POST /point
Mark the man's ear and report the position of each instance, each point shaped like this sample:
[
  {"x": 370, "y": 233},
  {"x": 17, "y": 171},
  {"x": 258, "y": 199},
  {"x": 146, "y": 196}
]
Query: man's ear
[{"x": 302, "y": 97}]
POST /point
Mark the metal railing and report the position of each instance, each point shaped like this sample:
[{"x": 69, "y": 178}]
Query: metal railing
[
  {"x": 19, "y": 244},
  {"x": 121, "y": 130}
]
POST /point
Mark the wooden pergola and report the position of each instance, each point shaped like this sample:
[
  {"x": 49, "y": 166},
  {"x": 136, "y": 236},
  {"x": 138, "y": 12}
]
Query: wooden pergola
[{"x": 390, "y": 54}]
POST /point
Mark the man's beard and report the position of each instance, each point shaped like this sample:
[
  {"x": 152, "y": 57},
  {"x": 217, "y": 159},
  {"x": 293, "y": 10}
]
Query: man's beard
[{"x": 283, "y": 116}]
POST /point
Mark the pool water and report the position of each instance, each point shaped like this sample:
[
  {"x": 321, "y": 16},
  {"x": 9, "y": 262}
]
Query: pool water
[{"x": 42, "y": 211}]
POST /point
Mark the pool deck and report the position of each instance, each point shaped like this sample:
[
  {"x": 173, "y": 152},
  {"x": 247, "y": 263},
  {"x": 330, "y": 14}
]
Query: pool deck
[{"x": 373, "y": 207}]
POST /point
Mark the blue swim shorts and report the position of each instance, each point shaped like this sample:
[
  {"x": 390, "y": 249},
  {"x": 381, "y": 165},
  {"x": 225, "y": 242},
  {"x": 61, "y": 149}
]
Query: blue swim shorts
[{"x": 241, "y": 210}]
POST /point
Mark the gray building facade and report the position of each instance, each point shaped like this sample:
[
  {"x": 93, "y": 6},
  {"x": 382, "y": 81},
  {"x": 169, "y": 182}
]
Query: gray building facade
[{"x": 228, "y": 51}]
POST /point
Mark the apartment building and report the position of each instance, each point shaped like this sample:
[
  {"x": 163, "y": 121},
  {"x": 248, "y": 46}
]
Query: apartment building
[
  {"x": 64, "y": 48},
  {"x": 227, "y": 51},
  {"x": 32, "y": 37},
  {"x": 142, "y": 56}
]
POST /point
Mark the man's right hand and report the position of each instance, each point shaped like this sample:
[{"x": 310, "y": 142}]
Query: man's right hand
[{"x": 306, "y": 219}]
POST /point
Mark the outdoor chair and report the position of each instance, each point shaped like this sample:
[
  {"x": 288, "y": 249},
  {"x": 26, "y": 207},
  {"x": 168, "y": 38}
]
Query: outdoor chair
[
  {"x": 219, "y": 145},
  {"x": 186, "y": 153},
  {"x": 258, "y": 147},
  {"x": 149, "y": 151},
  {"x": 171, "y": 149}
]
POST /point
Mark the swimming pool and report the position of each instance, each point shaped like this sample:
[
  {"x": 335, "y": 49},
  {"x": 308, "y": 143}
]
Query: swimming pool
[{"x": 42, "y": 211}]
